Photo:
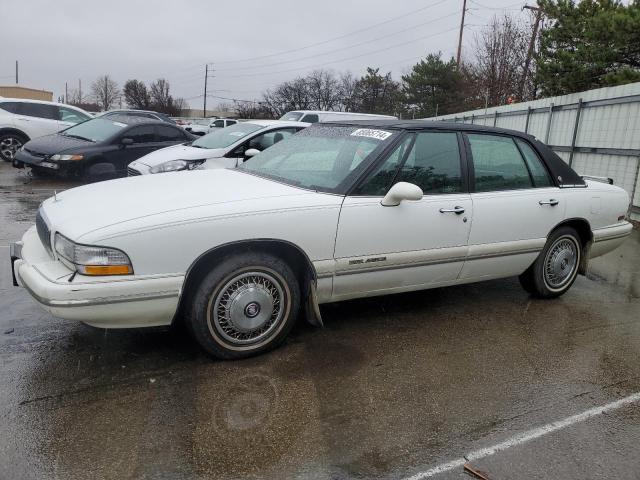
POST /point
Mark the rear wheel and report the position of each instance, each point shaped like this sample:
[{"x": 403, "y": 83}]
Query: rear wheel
[
  {"x": 556, "y": 268},
  {"x": 10, "y": 143},
  {"x": 245, "y": 306}
]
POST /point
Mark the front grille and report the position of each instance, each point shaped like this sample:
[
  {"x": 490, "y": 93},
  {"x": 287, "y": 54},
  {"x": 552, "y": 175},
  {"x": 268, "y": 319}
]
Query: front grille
[
  {"x": 43, "y": 231},
  {"x": 132, "y": 173}
]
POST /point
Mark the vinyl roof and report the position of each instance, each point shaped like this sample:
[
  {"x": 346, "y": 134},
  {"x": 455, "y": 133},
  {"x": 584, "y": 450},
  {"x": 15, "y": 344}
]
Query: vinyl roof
[{"x": 422, "y": 124}]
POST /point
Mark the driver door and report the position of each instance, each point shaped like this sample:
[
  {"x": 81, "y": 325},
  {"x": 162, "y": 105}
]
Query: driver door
[{"x": 417, "y": 243}]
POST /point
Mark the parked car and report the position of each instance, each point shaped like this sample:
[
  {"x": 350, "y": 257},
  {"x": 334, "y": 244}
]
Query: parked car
[
  {"x": 101, "y": 147},
  {"x": 314, "y": 116},
  {"x": 151, "y": 115},
  {"x": 222, "y": 148},
  {"x": 206, "y": 126},
  {"x": 338, "y": 211},
  {"x": 22, "y": 120}
]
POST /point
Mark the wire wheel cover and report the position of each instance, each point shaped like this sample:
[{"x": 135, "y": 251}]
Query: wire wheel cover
[
  {"x": 561, "y": 262},
  {"x": 249, "y": 307}
]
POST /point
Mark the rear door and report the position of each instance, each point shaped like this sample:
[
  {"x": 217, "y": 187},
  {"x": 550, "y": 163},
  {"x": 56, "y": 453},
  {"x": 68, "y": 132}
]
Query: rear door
[
  {"x": 515, "y": 206},
  {"x": 417, "y": 243},
  {"x": 37, "y": 119},
  {"x": 168, "y": 135}
]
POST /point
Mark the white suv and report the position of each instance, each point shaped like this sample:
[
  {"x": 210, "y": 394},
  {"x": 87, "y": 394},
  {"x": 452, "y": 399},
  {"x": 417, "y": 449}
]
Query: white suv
[
  {"x": 204, "y": 128},
  {"x": 22, "y": 120}
]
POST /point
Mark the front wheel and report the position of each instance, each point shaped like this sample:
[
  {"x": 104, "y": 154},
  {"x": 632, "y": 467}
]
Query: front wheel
[
  {"x": 245, "y": 306},
  {"x": 556, "y": 268},
  {"x": 10, "y": 143}
]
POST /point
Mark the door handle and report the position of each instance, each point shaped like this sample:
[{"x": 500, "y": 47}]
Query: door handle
[
  {"x": 552, "y": 201},
  {"x": 456, "y": 210}
]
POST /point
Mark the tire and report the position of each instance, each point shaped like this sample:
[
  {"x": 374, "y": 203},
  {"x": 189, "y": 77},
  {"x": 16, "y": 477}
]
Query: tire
[
  {"x": 10, "y": 143},
  {"x": 232, "y": 314},
  {"x": 556, "y": 268}
]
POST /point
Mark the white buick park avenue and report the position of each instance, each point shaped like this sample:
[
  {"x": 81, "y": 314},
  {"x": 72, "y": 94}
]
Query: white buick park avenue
[{"x": 335, "y": 212}]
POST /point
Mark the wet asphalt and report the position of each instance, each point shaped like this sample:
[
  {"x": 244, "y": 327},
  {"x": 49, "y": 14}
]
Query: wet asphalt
[{"x": 391, "y": 387}]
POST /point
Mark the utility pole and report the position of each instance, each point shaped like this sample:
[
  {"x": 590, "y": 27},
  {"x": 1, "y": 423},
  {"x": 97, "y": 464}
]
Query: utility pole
[
  {"x": 16, "y": 72},
  {"x": 206, "y": 78},
  {"x": 532, "y": 44},
  {"x": 464, "y": 10},
  {"x": 80, "y": 90},
  {"x": 66, "y": 93}
]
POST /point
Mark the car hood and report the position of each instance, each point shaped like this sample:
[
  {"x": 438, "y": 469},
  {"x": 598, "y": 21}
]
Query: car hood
[
  {"x": 56, "y": 143},
  {"x": 96, "y": 211},
  {"x": 179, "y": 152}
]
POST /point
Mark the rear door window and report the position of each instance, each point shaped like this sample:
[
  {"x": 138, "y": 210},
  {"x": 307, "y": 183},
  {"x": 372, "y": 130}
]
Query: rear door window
[
  {"x": 497, "y": 164},
  {"x": 169, "y": 134},
  {"x": 142, "y": 134}
]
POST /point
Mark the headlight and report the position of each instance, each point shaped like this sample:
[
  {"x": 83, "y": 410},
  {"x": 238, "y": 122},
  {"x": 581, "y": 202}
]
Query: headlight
[
  {"x": 90, "y": 260},
  {"x": 176, "y": 165},
  {"x": 57, "y": 156}
]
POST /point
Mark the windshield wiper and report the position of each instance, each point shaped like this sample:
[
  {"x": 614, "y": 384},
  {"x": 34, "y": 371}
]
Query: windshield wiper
[{"x": 78, "y": 137}]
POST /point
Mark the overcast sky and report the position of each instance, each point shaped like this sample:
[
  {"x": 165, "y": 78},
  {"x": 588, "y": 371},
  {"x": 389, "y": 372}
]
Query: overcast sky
[{"x": 252, "y": 44}]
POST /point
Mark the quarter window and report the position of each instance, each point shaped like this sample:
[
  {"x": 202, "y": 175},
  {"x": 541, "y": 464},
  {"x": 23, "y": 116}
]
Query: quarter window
[
  {"x": 497, "y": 164},
  {"x": 538, "y": 172},
  {"x": 11, "y": 107}
]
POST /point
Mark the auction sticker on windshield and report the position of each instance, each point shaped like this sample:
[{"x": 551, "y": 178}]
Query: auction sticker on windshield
[{"x": 371, "y": 133}]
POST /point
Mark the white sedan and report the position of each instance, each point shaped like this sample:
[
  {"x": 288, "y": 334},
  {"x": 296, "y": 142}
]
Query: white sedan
[
  {"x": 339, "y": 211},
  {"x": 223, "y": 148}
]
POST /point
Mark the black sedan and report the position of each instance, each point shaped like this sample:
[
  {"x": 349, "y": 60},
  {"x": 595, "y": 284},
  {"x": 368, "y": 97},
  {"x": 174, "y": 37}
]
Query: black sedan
[{"x": 98, "y": 148}]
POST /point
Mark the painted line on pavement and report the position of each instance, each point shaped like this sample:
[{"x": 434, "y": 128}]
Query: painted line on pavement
[{"x": 526, "y": 437}]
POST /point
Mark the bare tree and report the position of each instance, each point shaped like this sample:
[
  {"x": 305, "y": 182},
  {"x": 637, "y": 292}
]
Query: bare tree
[
  {"x": 323, "y": 90},
  {"x": 499, "y": 58},
  {"x": 161, "y": 98},
  {"x": 106, "y": 92},
  {"x": 347, "y": 88}
]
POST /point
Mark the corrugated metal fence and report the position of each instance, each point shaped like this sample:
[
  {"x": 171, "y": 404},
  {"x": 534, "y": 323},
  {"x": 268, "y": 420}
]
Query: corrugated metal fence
[{"x": 597, "y": 132}]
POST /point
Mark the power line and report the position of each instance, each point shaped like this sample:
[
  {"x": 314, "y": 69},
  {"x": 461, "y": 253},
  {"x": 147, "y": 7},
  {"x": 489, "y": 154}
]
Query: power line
[
  {"x": 342, "y": 48},
  {"x": 342, "y": 59},
  {"x": 335, "y": 38}
]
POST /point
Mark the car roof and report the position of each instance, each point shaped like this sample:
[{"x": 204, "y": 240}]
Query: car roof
[
  {"x": 29, "y": 100},
  {"x": 277, "y": 123},
  {"x": 427, "y": 124},
  {"x": 133, "y": 120}
]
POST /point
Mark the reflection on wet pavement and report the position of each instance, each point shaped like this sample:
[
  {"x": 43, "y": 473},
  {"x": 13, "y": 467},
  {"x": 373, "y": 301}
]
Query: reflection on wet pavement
[{"x": 391, "y": 386}]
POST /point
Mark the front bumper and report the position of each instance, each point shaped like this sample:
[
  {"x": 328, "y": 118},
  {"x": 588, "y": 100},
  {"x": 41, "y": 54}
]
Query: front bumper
[{"x": 108, "y": 302}]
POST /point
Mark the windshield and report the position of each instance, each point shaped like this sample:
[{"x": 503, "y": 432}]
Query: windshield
[
  {"x": 319, "y": 157},
  {"x": 95, "y": 130},
  {"x": 226, "y": 136},
  {"x": 292, "y": 116}
]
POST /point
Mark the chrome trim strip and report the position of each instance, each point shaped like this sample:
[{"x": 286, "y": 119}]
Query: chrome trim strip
[
  {"x": 612, "y": 237},
  {"x": 101, "y": 300},
  {"x": 436, "y": 262}
]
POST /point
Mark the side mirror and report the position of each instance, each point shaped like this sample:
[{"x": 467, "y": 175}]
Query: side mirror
[
  {"x": 401, "y": 191},
  {"x": 126, "y": 141},
  {"x": 251, "y": 152}
]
